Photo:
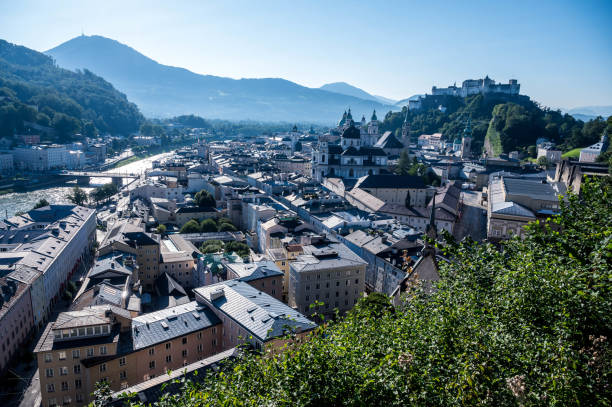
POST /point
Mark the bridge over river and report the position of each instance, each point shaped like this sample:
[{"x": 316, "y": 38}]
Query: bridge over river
[{"x": 83, "y": 177}]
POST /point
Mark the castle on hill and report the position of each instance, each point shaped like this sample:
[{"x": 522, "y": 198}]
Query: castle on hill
[{"x": 476, "y": 86}]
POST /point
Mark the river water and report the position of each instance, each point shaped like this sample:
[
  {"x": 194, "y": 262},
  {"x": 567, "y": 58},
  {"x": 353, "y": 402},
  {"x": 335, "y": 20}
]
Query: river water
[{"x": 24, "y": 201}]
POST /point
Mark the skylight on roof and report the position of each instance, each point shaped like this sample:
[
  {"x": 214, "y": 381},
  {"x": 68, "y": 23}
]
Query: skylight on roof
[{"x": 164, "y": 324}]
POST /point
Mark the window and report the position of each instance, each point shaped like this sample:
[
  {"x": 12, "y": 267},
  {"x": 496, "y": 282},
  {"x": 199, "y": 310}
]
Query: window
[
  {"x": 89, "y": 330},
  {"x": 152, "y": 351},
  {"x": 214, "y": 342},
  {"x": 337, "y": 283},
  {"x": 63, "y": 370},
  {"x": 76, "y": 354},
  {"x": 52, "y": 403},
  {"x": 184, "y": 340},
  {"x": 50, "y": 388},
  {"x": 74, "y": 332},
  {"x": 122, "y": 361},
  {"x": 79, "y": 398},
  {"x": 122, "y": 374},
  {"x": 78, "y": 384},
  {"x": 168, "y": 358},
  {"x": 77, "y": 369},
  {"x": 356, "y": 281},
  {"x": 90, "y": 352},
  {"x": 103, "y": 367},
  {"x": 307, "y": 287},
  {"x": 214, "y": 330},
  {"x": 102, "y": 350},
  {"x": 152, "y": 364},
  {"x": 49, "y": 372},
  {"x": 105, "y": 329},
  {"x": 62, "y": 356},
  {"x": 184, "y": 353},
  {"x": 48, "y": 357},
  {"x": 168, "y": 345},
  {"x": 200, "y": 347},
  {"x": 64, "y": 386}
]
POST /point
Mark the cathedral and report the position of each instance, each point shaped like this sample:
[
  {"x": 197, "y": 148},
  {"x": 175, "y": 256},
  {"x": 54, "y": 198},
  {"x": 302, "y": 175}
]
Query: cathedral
[{"x": 356, "y": 153}]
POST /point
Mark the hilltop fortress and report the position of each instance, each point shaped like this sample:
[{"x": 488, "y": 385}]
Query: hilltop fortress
[{"x": 475, "y": 86}]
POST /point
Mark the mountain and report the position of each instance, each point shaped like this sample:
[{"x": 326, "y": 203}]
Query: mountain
[
  {"x": 344, "y": 88},
  {"x": 586, "y": 113},
  {"x": 165, "y": 91},
  {"x": 36, "y": 94}
]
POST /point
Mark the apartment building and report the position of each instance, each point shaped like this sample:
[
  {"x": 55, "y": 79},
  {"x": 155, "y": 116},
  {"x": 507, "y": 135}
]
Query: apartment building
[
  {"x": 327, "y": 272},
  {"x": 130, "y": 238},
  {"x": 16, "y": 317},
  {"x": 262, "y": 275},
  {"x": 44, "y": 248},
  {"x": 178, "y": 259},
  {"x": 84, "y": 347}
]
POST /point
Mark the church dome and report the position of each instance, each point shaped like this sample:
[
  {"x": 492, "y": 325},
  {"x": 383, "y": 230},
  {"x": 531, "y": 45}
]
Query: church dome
[{"x": 351, "y": 132}]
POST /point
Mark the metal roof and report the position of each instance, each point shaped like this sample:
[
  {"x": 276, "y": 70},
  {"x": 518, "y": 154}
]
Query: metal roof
[
  {"x": 181, "y": 320},
  {"x": 262, "y": 315}
]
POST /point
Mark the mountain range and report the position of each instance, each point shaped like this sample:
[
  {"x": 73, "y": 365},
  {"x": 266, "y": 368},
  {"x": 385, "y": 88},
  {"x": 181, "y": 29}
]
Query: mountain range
[
  {"x": 165, "y": 91},
  {"x": 350, "y": 90}
]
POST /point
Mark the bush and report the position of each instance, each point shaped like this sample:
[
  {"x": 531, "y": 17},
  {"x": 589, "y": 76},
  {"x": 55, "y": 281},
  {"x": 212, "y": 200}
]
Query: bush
[
  {"x": 212, "y": 246},
  {"x": 208, "y": 226},
  {"x": 227, "y": 227},
  {"x": 191, "y": 227}
]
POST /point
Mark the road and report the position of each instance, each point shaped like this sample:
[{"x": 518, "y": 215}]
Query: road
[{"x": 473, "y": 217}]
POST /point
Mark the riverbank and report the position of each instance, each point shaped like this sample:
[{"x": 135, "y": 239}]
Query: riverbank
[{"x": 150, "y": 153}]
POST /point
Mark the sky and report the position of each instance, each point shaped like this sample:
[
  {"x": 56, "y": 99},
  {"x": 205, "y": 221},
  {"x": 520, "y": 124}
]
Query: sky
[{"x": 560, "y": 51}]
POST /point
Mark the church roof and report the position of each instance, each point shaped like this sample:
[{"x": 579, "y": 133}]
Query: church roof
[
  {"x": 351, "y": 132},
  {"x": 374, "y": 116},
  {"x": 364, "y": 151},
  {"x": 390, "y": 181},
  {"x": 388, "y": 140}
]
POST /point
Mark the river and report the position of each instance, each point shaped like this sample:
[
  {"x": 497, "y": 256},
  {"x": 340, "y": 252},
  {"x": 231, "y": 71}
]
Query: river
[{"x": 24, "y": 201}]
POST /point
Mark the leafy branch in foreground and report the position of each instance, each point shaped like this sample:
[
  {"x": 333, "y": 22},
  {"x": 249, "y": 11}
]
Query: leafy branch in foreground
[{"x": 528, "y": 325}]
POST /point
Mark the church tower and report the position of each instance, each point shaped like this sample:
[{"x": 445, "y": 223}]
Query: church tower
[
  {"x": 373, "y": 130},
  {"x": 406, "y": 132},
  {"x": 466, "y": 140}
]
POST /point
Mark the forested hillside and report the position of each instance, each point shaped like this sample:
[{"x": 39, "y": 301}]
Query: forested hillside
[
  {"x": 528, "y": 326},
  {"x": 33, "y": 89},
  {"x": 516, "y": 121}
]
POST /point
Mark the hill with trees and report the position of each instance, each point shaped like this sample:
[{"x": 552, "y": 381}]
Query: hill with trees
[
  {"x": 526, "y": 326},
  {"x": 512, "y": 122},
  {"x": 34, "y": 92}
]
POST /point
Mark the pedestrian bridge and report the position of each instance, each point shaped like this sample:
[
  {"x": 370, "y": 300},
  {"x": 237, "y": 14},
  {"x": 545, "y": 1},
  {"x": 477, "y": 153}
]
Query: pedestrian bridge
[{"x": 83, "y": 177}]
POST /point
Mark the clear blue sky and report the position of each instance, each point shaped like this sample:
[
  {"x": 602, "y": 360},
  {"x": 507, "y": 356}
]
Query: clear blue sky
[{"x": 560, "y": 51}]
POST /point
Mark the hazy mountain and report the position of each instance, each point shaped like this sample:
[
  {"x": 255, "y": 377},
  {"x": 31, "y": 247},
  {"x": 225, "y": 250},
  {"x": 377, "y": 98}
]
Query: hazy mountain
[
  {"x": 164, "y": 91},
  {"x": 344, "y": 88},
  {"x": 586, "y": 113}
]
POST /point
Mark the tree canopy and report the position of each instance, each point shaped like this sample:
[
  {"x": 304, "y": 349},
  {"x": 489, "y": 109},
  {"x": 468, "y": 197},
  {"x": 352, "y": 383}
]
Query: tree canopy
[
  {"x": 35, "y": 92},
  {"x": 528, "y": 325},
  {"x": 204, "y": 199}
]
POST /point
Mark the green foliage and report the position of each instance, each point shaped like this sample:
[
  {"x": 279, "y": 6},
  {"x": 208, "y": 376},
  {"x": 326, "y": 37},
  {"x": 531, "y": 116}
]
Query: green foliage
[
  {"x": 532, "y": 151},
  {"x": 41, "y": 203},
  {"x": 191, "y": 227},
  {"x": 227, "y": 227},
  {"x": 102, "y": 394},
  {"x": 208, "y": 226},
  {"x": 161, "y": 229},
  {"x": 78, "y": 196},
  {"x": 204, "y": 199},
  {"x": 527, "y": 326},
  {"x": 103, "y": 192},
  {"x": 191, "y": 121},
  {"x": 519, "y": 122},
  {"x": 406, "y": 167},
  {"x": 542, "y": 161},
  {"x": 212, "y": 246},
  {"x": 240, "y": 248},
  {"x": 67, "y": 102}
]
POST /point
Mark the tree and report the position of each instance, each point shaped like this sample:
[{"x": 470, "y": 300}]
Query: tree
[
  {"x": 161, "y": 229},
  {"x": 212, "y": 246},
  {"x": 208, "y": 226},
  {"x": 403, "y": 164},
  {"x": 227, "y": 227},
  {"x": 41, "y": 203},
  {"x": 542, "y": 161},
  {"x": 204, "y": 199},
  {"x": 191, "y": 227},
  {"x": 78, "y": 196},
  {"x": 102, "y": 394},
  {"x": 532, "y": 151},
  {"x": 240, "y": 248}
]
